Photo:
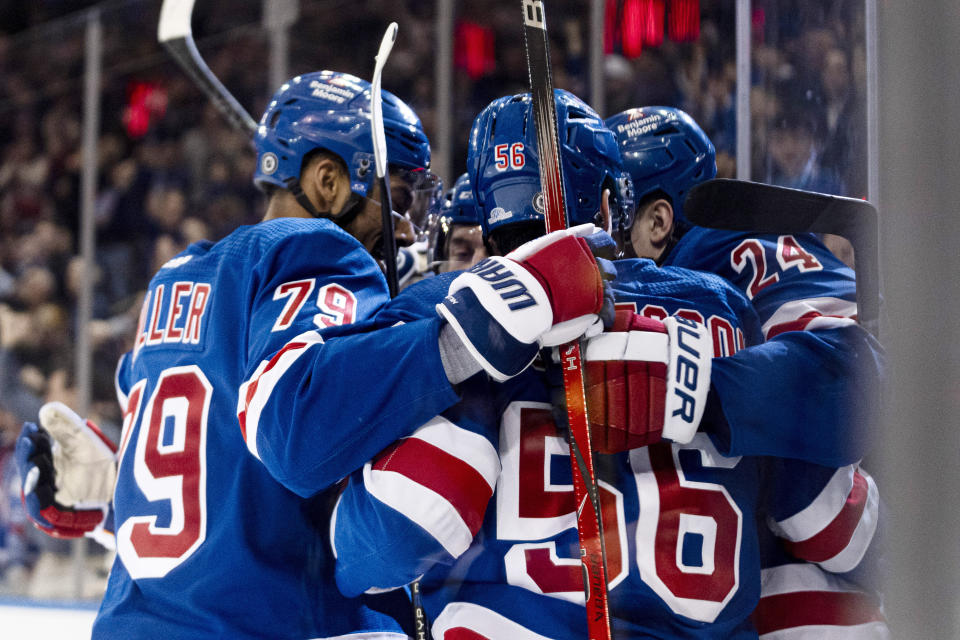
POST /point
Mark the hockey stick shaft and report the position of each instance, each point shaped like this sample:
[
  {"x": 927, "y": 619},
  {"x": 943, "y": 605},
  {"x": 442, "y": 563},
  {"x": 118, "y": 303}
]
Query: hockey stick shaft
[
  {"x": 421, "y": 625},
  {"x": 175, "y": 34},
  {"x": 739, "y": 205},
  {"x": 380, "y": 157},
  {"x": 589, "y": 523}
]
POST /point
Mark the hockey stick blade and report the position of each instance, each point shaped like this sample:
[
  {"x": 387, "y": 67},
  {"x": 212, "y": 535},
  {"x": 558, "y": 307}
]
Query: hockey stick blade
[
  {"x": 380, "y": 140},
  {"x": 387, "y": 240},
  {"x": 175, "y": 34},
  {"x": 589, "y": 519},
  {"x": 740, "y": 205}
]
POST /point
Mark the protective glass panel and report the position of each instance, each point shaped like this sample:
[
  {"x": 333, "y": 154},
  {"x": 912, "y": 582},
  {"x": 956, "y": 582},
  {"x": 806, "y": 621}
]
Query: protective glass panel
[
  {"x": 173, "y": 172},
  {"x": 808, "y": 98},
  {"x": 170, "y": 173}
]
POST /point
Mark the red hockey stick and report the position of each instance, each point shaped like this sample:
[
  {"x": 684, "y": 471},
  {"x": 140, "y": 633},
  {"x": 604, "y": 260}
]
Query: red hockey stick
[{"x": 589, "y": 523}]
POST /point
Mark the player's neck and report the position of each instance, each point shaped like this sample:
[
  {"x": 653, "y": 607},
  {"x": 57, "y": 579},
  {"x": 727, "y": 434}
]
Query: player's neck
[{"x": 283, "y": 205}]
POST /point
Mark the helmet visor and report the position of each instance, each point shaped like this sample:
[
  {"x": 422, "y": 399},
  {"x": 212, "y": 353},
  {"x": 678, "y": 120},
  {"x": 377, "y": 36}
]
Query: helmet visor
[{"x": 415, "y": 194}]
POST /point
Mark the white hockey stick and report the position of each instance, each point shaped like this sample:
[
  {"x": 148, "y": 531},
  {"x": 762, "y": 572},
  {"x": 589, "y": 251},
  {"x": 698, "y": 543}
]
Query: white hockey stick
[
  {"x": 175, "y": 34},
  {"x": 380, "y": 158},
  {"x": 420, "y": 622}
]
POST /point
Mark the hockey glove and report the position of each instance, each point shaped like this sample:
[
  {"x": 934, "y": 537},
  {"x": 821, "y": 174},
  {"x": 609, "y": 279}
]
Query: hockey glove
[
  {"x": 546, "y": 292},
  {"x": 67, "y": 472},
  {"x": 646, "y": 380}
]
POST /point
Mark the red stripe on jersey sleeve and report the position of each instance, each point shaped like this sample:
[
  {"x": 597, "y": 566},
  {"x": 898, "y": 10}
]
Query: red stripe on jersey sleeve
[
  {"x": 805, "y": 608},
  {"x": 449, "y": 476},
  {"x": 462, "y": 633},
  {"x": 796, "y": 325},
  {"x": 252, "y": 388},
  {"x": 836, "y": 535}
]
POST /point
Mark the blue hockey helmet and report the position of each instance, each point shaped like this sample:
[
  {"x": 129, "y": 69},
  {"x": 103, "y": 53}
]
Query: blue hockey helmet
[
  {"x": 330, "y": 110},
  {"x": 664, "y": 150},
  {"x": 459, "y": 208},
  {"x": 503, "y": 164}
]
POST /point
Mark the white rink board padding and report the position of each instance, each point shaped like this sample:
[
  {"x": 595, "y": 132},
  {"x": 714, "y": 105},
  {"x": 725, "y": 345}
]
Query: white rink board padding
[{"x": 22, "y": 620}]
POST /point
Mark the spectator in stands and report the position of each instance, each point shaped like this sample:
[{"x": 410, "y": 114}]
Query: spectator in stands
[{"x": 794, "y": 154}]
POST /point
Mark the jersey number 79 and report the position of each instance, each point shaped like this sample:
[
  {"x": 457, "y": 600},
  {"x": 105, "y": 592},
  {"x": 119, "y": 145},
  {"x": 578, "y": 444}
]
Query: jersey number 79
[{"x": 169, "y": 465}]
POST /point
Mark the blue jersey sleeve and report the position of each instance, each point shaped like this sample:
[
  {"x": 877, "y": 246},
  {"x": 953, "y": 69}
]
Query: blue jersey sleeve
[
  {"x": 315, "y": 407},
  {"x": 420, "y": 502},
  {"x": 811, "y": 390},
  {"x": 811, "y": 395}
]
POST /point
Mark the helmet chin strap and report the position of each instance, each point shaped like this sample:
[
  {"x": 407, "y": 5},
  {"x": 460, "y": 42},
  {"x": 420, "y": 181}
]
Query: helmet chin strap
[{"x": 350, "y": 210}]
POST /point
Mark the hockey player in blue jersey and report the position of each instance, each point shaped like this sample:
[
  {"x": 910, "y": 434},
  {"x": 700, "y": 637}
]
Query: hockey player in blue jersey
[
  {"x": 805, "y": 299},
  {"x": 456, "y": 239},
  {"x": 804, "y": 296},
  {"x": 681, "y": 520},
  {"x": 243, "y": 406}
]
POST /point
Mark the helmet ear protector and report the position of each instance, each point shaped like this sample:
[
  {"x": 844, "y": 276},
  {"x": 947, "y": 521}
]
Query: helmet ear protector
[{"x": 351, "y": 207}]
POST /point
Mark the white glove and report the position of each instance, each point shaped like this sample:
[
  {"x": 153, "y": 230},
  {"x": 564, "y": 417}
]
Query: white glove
[
  {"x": 86, "y": 465},
  {"x": 546, "y": 292}
]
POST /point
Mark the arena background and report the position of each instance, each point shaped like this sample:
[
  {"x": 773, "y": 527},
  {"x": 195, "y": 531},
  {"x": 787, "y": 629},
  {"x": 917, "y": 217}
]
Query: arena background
[{"x": 108, "y": 150}]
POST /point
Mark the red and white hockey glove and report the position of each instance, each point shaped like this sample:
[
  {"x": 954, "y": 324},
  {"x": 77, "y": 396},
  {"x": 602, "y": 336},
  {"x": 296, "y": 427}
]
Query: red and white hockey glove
[
  {"x": 67, "y": 469},
  {"x": 544, "y": 293},
  {"x": 646, "y": 380}
]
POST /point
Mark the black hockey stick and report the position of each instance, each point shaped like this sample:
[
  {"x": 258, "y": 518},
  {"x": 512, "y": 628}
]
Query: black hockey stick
[
  {"x": 739, "y": 205},
  {"x": 388, "y": 241},
  {"x": 589, "y": 520},
  {"x": 421, "y": 625},
  {"x": 175, "y": 34}
]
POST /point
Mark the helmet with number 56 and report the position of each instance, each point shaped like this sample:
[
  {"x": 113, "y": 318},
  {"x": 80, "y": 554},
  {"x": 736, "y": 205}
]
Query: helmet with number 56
[{"x": 502, "y": 163}]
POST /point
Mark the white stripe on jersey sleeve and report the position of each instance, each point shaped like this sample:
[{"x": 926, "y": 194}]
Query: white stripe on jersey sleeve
[
  {"x": 853, "y": 552},
  {"x": 470, "y": 447},
  {"x": 869, "y": 631},
  {"x": 804, "y": 589},
  {"x": 426, "y": 507},
  {"x": 789, "y": 578},
  {"x": 832, "y": 311},
  {"x": 121, "y": 395},
  {"x": 265, "y": 379},
  {"x": 818, "y": 514},
  {"x": 806, "y": 579}
]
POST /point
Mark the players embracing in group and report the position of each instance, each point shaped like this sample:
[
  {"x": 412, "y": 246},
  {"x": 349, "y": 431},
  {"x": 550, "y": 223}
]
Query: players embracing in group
[
  {"x": 752, "y": 520},
  {"x": 271, "y": 365},
  {"x": 244, "y": 406}
]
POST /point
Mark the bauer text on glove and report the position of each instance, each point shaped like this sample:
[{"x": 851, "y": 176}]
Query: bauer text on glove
[{"x": 648, "y": 381}]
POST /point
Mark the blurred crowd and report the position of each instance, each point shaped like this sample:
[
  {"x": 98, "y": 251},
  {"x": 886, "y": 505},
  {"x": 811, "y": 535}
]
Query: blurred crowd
[{"x": 172, "y": 172}]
